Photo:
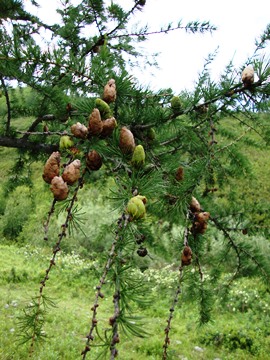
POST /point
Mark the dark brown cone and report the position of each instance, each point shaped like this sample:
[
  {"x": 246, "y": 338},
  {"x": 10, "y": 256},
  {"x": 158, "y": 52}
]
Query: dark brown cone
[
  {"x": 186, "y": 256},
  {"x": 179, "y": 176},
  {"x": 108, "y": 126},
  {"x": 202, "y": 217},
  {"x": 93, "y": 160},
  {"x": 95, "y": 125},
  {"x": 199, "y": 227},
  {"x": 52, "y": 167},
  {"x": 126, "y": 141}
]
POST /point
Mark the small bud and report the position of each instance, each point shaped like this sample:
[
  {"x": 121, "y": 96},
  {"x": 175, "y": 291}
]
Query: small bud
[
  {"x": 142, "y": 2},
  {"x": 109, "y": 94},
  {"x": 126, "y": 141},
  {"x": 93, "y": 160},
  {"x": 142, "y": 252},
  {"x": 52, "y": 167},
  {"x": 96, "y": 49},
  {"x": 176, "y": 105},
  {"x": 95, "y": 124},
  {"x": 151, "y": 134},
  {"x": 138, "y": 157},
  {"x": 59, "y": 188}
]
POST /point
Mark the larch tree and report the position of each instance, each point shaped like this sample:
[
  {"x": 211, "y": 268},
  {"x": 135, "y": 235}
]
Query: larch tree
[{"x": 168, "y": 156}]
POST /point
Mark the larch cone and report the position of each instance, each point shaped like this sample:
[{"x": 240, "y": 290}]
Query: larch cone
[
  {"x": 52, "y": 167},
  {"x": 126, "y": 141},
  {"x": 95, "y": 125},
  {"x": 59, "y": 188},
  {"x": 109, "y": 94},
  {"x": 71, "y": 172}
]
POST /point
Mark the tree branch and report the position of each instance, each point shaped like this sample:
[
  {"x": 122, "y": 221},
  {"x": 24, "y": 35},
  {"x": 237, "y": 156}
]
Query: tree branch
[{"x": 27, "y": 145}]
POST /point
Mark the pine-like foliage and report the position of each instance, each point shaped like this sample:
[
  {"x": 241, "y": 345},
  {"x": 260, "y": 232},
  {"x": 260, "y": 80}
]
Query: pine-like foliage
[{"x": 171, "y": 160}]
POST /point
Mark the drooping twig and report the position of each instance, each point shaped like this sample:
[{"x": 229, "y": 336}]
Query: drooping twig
[
  {"x": 169, "y": 320},
  {"x": 46, "y": 224},
  {"x": 238, "y": 250},
  {"x": 56, "y": 249},
  {"x": 233, "y": 245},
  {"x": 122, "y": 221},
  {"x": 176, "y": 296},
  {"x": 113, "y": 321}
]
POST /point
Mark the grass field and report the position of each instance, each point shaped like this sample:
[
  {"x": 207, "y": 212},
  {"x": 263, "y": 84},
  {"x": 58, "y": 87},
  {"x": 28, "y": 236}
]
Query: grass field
[{"x": 240, "y": 331}]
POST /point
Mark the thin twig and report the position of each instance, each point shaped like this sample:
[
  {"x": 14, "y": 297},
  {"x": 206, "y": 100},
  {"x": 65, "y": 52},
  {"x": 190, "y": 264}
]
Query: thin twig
[
  {"x": 46, "y": 133},
  {"x": 168, "y": 327},
  {"x": 115, "y": 336},
  {"x": 56, "y": 249},
  {"x": 46, "y": 224},
  {"x": 122, "y": 221}
]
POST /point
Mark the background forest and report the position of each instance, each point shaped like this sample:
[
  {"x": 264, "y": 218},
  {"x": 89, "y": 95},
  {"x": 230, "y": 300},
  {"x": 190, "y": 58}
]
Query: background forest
[{"x": 133, "y": 223}]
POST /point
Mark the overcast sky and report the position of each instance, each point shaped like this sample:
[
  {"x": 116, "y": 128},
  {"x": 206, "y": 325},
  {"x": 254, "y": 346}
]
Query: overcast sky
[{"x": 182, "y": 55}]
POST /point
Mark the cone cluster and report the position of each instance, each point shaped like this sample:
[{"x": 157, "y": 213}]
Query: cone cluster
[
  {"x": 59, "y": 184},
  {"x": 200, "y": 217}
]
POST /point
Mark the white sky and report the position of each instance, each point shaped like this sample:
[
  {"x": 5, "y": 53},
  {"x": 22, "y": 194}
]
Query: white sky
[{"x": 182, "y": 55}]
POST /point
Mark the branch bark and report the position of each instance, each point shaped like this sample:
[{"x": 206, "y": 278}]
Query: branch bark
[
  {"x": 27, "y": 145},
  {"x": 7, "y": 102}
]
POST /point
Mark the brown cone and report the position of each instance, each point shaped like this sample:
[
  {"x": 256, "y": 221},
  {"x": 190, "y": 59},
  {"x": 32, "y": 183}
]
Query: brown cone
[
  {"x": 79, "y": 130},
  {"x": 71, "y": 172},
  {"x": 59, "y": 188},
  {"x": 95, "y": 125},
  {"x": 194, "y": 205},
  {"x": 109, "y": 94},
  {"x": 126, "y": 141},
  {"x": 108, "y": 126},
  {"x": 52, "y": 167},
  {"x": 93, "y": 160},
  {"x": 179, "y": 176},
  {"x": 199, "y": 227},
  {"x": 202, "y": 216},
  {"x": 186, "y": 256}
]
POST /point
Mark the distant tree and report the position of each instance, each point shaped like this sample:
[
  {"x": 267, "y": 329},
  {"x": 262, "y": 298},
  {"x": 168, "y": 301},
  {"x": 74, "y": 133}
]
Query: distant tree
[{"x": 164, "y": 151}]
